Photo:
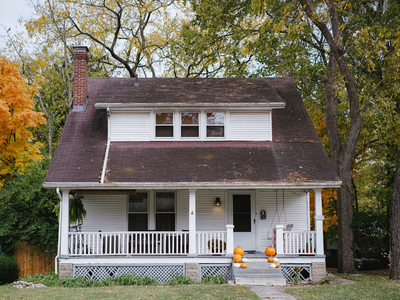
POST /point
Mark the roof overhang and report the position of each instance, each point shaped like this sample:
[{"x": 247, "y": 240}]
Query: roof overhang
[
  {"x": 191, "y": 185},
  {"x": 190, "y": 106}
]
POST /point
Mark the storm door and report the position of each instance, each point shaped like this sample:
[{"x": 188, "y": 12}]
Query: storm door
[{"x": 244, "y": 220}]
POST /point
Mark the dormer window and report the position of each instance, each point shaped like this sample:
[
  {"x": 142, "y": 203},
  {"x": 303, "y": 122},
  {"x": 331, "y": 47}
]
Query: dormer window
[
  {"x": 189, "y": 124},
  {"x": 215, "y": 124},
  {"x": 165, "y": 124}
]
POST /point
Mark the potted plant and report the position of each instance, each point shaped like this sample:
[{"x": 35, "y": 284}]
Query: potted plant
[{"x": 309, "y": 247}]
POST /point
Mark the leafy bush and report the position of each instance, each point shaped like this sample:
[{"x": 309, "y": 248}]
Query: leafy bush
[
  {"x": 52, "y": 280},
  {"x": 219, "y": 279},
  {"x": 8, "y": 269},
  {"x": 180, "y": 280},
  {"x": 27, "y": 210}
]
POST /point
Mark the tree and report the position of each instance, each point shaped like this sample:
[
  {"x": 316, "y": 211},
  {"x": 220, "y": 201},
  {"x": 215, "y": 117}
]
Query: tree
[
  {"x": 129, "y": 36},
  {"x": 341, "y": 46},
  {"x": 17, "y": 144},
  {"x": 27, "y": 209}
]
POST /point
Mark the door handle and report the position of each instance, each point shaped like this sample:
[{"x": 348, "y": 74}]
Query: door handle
[{"x": 254, "y": 221}]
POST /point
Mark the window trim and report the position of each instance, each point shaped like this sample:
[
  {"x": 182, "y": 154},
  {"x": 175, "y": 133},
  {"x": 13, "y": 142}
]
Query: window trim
[
  {"x": 177, "y": 124},
  {"x": 152, "y": 209},
  {"x": 139, "y": 213}
]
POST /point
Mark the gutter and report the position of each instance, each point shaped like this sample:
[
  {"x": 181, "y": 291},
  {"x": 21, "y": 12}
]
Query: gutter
[
  {"x": 103, "y": 173},
  {"x": 192, "y": 106},
  {"x": 192, "y": 185},
  {"x": 59, "y": 232}
]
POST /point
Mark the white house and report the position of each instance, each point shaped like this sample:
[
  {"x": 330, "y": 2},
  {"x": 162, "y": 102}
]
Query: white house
[{"x": 175, "y": 173}]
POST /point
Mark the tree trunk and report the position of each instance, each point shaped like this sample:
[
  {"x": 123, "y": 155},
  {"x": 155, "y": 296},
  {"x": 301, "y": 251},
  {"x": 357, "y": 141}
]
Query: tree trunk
[
  {"x": 345, "y": 217},
  {"x": 342, "y": 155},
  {"x": 395, "y": 227}
]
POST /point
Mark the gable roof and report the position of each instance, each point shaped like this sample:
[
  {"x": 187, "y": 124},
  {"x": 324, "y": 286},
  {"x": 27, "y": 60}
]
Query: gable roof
[
  {"x": 295, "y": 156},
  {"x": 193, "y": 91}
]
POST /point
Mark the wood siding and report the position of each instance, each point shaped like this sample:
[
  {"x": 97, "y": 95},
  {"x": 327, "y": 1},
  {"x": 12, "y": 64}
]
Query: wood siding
[
  {"x": 208, "y": 216},
  {"x": 250, "y": 126},
  {"x": 30, "y": 262},
  {"x": 105, "y": 213},
  {"x": 109, "y": 213},
  {"x": 239, "y": 126},
  {"x": 130, "y": 126},
  {"x": 282, "y": 208}
]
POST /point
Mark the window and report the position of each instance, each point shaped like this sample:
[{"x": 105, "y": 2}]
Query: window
[
  {"x": 165, "y": 211},
  {"x": 137, "y": 218},
  {"x": 189, "y": 124},
  {"x": 164, "y": 124},
  {"x": 215, "y": 124},
  {"x": 201, "y": 125}
]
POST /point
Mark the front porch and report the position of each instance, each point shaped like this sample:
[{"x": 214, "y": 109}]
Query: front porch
[{"x": 195, "y": 249}]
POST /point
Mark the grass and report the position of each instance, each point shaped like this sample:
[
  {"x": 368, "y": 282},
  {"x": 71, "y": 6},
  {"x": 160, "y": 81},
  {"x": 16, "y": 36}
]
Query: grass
[
  {"x": 209, "y": 292},
  {"x": 366, "y": 287}
]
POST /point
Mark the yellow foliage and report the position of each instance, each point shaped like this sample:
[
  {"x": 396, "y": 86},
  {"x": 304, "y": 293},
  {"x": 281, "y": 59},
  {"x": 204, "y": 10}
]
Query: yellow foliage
[{"x": 17, "y": 144}]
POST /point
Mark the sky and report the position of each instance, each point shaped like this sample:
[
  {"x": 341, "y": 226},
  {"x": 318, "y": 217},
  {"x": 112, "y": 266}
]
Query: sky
[{"x": 10, "y": 12}]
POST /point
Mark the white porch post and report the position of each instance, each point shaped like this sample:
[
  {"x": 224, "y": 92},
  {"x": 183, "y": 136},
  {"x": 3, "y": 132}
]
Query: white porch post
[
  {"x": 279, "y": 239},
  {"x": 319, "y": 229},
  {"x": 229, "y": 239},
  {"x": 192, "y": 223},
  {"x": 64, "y": 222}
]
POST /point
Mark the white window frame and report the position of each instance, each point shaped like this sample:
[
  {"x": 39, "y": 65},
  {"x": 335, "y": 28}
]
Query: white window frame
[
  {"x": 177, "y": 124},
  {"x": 148, "y": 212},
  {"x": 151, "y": 208},
  {"x": 153, "y": 125}
]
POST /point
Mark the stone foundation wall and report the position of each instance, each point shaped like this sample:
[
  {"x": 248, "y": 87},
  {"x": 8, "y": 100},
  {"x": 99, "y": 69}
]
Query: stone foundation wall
[
  {"x": 318, "y": 271},
  {"x": 192, "y": 271},
  {"x": 65, "y": 270}
]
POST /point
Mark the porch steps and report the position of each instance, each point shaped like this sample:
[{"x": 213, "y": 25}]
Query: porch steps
[{"x": 259, "y": 272}]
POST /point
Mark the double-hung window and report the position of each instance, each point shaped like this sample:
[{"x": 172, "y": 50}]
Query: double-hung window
[
  {"x": 165, "y": 125},
  {"x": 138, "y": 213},
  {"x": 189, "y": 124},
  {"x": 201, "y": 125},
  {"x": 215, "y": 124},
  {"x": 165, "y": 211}
]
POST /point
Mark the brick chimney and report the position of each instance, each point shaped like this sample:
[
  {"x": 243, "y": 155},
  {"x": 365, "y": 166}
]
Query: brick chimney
[{"x": 81, "y": 59}]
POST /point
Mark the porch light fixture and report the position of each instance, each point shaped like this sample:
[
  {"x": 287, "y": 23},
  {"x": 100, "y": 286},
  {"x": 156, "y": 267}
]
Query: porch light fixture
[{"x": 218, "y": 202}]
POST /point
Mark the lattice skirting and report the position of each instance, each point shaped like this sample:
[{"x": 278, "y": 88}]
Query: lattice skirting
[
  {"x": 216, "y": 269},
  {"x": 162, "y": 273},
  {"x": 304, "y": 272}
]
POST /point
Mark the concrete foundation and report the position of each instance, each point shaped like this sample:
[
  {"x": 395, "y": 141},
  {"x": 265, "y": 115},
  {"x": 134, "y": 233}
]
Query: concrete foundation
[
  {"x": 192, "y": 271},
  {"x": 65, "y": 271},
  {"x": 318, "y": 271}
]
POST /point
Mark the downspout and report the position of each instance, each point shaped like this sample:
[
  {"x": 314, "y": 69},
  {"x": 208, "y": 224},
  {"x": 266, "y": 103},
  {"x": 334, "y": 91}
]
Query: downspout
[
  {"x": 59, "y": 232},
  {"x": 103, "y": 173}
]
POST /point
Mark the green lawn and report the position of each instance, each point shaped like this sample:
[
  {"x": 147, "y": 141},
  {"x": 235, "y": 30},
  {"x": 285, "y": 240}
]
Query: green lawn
[
  {"x": 129, "y": 292},
  {"x": 368, "y": 287}
]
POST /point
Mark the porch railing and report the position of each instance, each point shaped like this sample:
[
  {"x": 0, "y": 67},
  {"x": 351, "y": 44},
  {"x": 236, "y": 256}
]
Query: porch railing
[
  {"x": 209, "y": 243},
  {"x": 299, "y": 242},
  {"x": 128, "y": 243},
  {"x": 145, "y": 243}
]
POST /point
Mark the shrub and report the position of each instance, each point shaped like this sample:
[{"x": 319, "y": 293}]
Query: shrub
[
  {"x": 52, "y": 280},
  {"x": 180, "y": 280},
  {"x": 219, "y": 279},
  {"x": 8, "y": 269}
]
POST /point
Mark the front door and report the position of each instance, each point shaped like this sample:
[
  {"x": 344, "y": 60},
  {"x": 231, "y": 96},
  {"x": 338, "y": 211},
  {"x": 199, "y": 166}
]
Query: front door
[{"x": 244, "y": 220}]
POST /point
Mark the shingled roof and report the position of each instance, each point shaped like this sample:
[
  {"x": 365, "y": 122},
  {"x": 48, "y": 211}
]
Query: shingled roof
[
  {"x": 294, "y": 156},
  {"x": 188, "y": 91}
]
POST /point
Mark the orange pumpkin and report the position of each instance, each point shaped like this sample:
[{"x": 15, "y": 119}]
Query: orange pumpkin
[
  {"x": 244, "y": 266},
  {"x": 238, "y": 250},
  {"x": 237, "y": 258},
  {"x": 270, "y": 251},
  {"x": 270, "y": 259},
  {"x": 277, "y": 265}
]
